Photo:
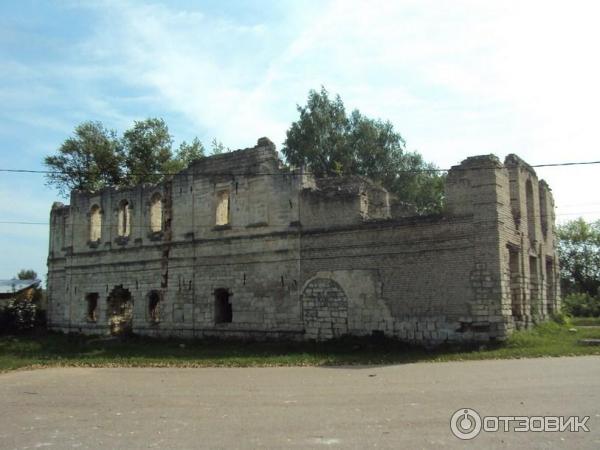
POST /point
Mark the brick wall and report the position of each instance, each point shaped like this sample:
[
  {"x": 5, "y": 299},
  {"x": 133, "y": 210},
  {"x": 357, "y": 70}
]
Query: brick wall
[{"x": 310, "y": 259}]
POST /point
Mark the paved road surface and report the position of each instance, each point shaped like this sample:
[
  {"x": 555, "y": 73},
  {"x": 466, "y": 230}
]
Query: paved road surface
[{"x": 403, "y": 406}]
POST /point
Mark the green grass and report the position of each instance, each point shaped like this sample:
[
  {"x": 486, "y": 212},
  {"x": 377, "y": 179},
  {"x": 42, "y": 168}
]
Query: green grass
[{"x": 52, "y": 350}]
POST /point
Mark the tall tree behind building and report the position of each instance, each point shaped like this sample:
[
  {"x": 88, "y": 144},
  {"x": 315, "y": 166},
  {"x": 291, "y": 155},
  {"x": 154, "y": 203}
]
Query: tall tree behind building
[
  {"x": 579, "y": 253},
  {"x": 95, "y": 157},
  {"x": 330, "y": 142},
  {"x": 27, "y": 274},
  {"x": 89, "y": 160}
]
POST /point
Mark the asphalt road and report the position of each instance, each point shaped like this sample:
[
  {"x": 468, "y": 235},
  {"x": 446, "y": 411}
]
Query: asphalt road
[{"x": 402, "y": 406}]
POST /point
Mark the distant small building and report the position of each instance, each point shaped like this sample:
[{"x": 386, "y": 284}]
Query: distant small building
[{"x": 15, "y": 288}]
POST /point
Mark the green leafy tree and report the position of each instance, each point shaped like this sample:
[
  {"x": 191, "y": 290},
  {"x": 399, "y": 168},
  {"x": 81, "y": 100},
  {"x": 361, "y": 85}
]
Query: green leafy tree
[
  {"x": 187, "y": 154},
  {"x": 146, "y": 151},
  {"x": 27, "y": 274},
  {"x": 579, "y": 254},
  {"x": 30, "y": 274},
  {"x": 581, "y": 305},
  {"x": 89, "y": 160},
  {"x": 217, "y": 147},
  {"x": 318, "y": 140},
  {"x": 329, "y": 142},
  {"x": 95, "y": 157}
]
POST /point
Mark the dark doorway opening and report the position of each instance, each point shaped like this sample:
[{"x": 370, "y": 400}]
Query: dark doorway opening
[
  {"x": 223, "y": 310},
  {"x": 153, "y": 306},
  {"x": 91, "y": 301},
  {"x": 120, "y": 311}
]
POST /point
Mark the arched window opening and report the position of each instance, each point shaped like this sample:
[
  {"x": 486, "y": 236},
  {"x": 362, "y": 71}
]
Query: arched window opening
[
  {"x": 156, "y": 213},
  {"x": 550, "y": 286},
  {"x": 534, "y": 287},
  {"x": 124, "y": 219},
  {"x": 514, "y": 264},
  {"x": 530, "y": 210},
  {"x": 544, "y": 211},
  {"x": 222, "y": 213},
  {"x": 95, "y": 223}
]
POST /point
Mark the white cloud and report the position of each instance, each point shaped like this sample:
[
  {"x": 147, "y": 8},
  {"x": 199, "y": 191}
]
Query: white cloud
[
  {"x": 457, "y": 78},
  {"x": 196, "y": 66}
]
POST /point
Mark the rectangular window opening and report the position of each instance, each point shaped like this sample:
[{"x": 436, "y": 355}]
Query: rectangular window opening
[{"x": 222, "y": 211}]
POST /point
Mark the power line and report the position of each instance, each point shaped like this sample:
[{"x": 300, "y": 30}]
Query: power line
[
  {"x": 263, "y": 227},
  {"x": 18, "y": 222},
  {"x": 283, "y": 172},
  {"x": 308, "y": 253},
  {"x": 581, "y": 163}
]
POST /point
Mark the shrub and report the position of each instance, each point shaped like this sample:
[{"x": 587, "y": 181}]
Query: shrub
[
  {"x": 561, "y": 318},
  {"x": 20, "y": 316},
  {"x": 581, "y": 305}
]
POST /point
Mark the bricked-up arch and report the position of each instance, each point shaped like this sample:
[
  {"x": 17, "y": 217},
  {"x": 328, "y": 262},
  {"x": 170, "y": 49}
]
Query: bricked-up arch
[
  {"x": 124, "y": 219},
  {"x": 324, "y": 309},
  {"x": 120, "y": 311},
  {"x": 156, "y": 213},
  {"x": 95, "y": 223}
]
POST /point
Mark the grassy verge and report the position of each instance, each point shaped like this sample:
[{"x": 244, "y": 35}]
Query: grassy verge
[{"x": 53, "y": 350}]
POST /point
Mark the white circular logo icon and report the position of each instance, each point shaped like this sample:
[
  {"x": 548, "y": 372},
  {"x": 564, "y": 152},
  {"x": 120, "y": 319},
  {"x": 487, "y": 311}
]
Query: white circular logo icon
[{"x": 465, "y": 423}]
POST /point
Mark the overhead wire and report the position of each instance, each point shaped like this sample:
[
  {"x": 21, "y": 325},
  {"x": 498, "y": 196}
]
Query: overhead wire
[{"x": 289, "y": 171}]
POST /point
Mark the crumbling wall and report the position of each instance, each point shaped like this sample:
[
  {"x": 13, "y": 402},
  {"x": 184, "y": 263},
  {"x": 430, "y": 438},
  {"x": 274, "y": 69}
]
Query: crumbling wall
[
  {"x": 254, "y": 255},
  {"x": 302, "y": 258},
  {"x": 404, "y": 279},
  {"x": 338, "y": 201},
  {"x": 528, "y": 230}
]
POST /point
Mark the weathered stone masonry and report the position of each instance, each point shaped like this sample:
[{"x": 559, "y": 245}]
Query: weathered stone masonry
[{"x": 239, "y": 246}]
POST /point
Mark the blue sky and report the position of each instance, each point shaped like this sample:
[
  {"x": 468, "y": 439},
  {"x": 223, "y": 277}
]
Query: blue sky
[{"x": 456, "y": 78}]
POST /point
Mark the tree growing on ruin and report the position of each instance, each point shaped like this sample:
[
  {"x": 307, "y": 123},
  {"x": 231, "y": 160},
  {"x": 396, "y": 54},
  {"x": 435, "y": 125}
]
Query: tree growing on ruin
[
  {"x": 330, "y": 142},
  {"x": 186, "y": 155},
  {"x": 95, "y": 157},
  {"x": 218, "y": 148}
]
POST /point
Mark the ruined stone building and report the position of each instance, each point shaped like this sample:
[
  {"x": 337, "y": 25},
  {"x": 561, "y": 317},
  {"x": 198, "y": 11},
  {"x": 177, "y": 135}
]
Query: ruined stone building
[{"x": 237, "y": 245}]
